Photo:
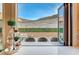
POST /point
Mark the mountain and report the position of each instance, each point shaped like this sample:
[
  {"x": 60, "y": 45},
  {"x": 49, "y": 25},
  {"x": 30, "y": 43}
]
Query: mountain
[
  {"x": 45, "y": 22},
  {"x": 49, "y": 17}
]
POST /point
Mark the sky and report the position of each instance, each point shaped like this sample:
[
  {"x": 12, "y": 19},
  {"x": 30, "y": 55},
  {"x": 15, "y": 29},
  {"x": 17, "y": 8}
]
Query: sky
[{"x": 34, "y": 11}]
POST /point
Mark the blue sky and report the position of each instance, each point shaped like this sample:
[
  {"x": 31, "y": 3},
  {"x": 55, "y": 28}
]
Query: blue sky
[{"x": 34, "y": 11}]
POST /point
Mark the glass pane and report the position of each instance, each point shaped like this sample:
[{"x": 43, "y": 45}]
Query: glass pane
[
  {"x": 61, "y": 24},
  {"x": 1, "y": 25}
]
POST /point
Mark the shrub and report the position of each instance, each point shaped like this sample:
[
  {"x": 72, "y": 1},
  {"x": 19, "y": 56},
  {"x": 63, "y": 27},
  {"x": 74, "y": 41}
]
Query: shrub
[
  {"x": 30, "y": 40},
  {"x": 54, "y": 39},
  {"x": 42, "y": 39}
]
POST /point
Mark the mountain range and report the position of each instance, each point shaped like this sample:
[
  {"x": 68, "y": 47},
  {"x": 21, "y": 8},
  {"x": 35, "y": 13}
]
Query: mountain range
[{"x": 44, "y": 22}]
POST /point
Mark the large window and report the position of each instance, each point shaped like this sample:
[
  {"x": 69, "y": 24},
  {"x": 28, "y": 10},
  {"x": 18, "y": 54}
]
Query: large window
[{"x": 39, "y": 20}]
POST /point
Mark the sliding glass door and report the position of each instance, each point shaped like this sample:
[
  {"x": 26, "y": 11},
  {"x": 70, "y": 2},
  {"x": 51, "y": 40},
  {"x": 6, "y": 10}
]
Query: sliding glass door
[{"x": 61, "y": 24}]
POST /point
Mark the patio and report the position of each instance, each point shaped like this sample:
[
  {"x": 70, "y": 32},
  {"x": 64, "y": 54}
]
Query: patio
[{"x": 47, "y": 50}]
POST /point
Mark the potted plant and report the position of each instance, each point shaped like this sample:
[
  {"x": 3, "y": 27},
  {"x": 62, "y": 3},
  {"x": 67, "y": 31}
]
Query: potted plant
[
  {"x": 11, "y": 23},
  {"x": 16, "y": 38}
]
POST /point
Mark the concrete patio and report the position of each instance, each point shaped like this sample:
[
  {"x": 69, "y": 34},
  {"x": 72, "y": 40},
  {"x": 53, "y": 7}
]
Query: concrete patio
[{"x": 47, "y": 50}]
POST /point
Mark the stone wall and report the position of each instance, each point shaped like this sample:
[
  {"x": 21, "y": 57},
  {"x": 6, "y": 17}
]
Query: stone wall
[{"x": 47, "y": 35}]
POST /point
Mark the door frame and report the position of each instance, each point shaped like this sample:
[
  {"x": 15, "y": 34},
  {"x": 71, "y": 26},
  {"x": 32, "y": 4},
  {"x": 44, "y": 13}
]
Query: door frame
[{"x": 71, "y": 34}]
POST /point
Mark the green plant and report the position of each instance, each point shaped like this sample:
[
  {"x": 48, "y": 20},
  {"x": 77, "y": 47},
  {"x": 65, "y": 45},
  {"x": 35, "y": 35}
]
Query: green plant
[
  {"x": 16, "y": 38},
  {"x": 11, "y": 23},
  {"x": 40, "y": 29}
]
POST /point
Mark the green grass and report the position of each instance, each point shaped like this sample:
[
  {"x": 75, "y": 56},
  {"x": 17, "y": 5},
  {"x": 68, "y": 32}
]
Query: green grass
[{"x": 40, "y": 29}]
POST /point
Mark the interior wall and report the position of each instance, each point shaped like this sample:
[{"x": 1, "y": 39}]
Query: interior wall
[{"x": 75, "y": 19}]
